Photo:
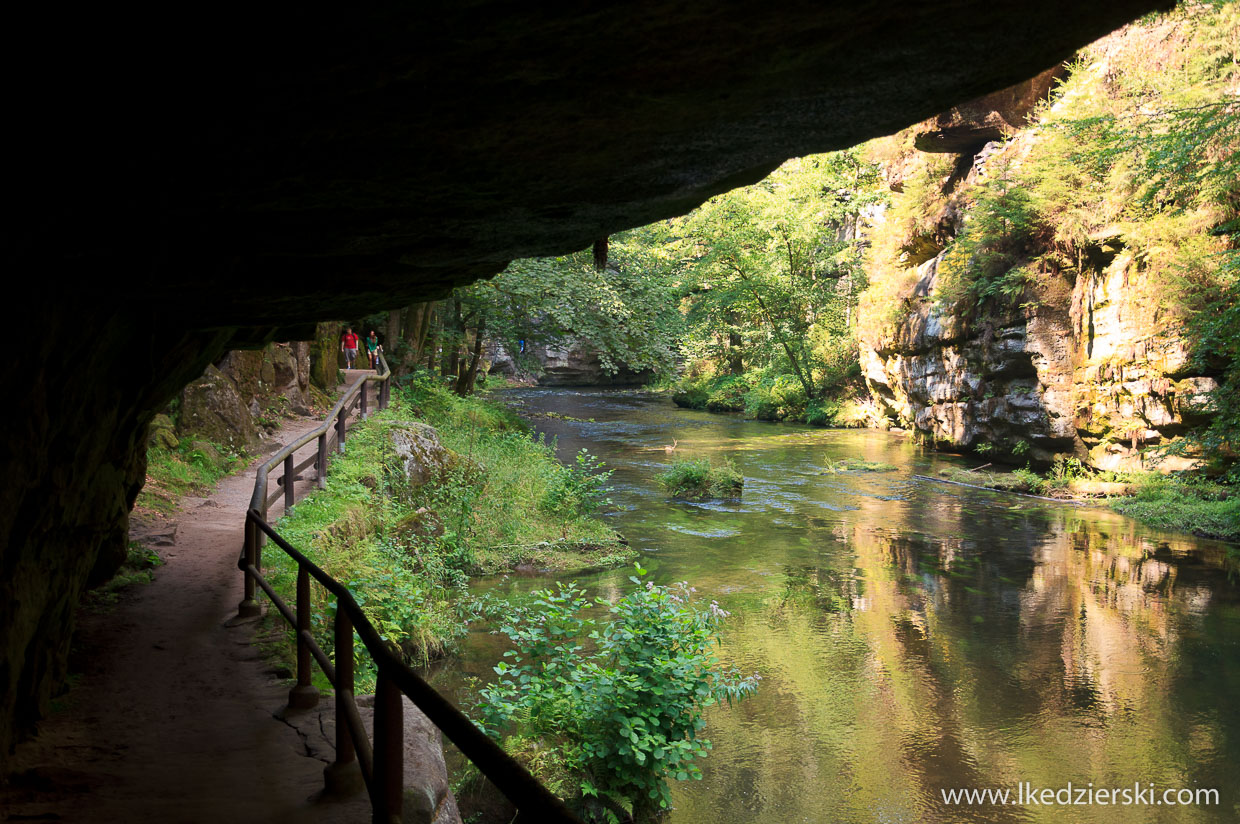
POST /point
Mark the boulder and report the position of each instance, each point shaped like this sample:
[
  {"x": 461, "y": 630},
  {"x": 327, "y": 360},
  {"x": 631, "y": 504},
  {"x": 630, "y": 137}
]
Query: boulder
[
  {"x": 162, "y": 433},
  {"x": 428, "y": 797},
  {"x": 422, "y": 456},
  {"x": 428, "y": 794},
  {"x": 212, "y": 408}
]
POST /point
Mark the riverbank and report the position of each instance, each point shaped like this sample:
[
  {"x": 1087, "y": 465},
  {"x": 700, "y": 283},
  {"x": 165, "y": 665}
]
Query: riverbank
[
  {"x": 766, "y": 396},
  {"x": 437, "y": 489},
  {"x": 881, "y": 610},
  {"x": 1190, "y": 504},
  {"x": 1181, "y": 502}
]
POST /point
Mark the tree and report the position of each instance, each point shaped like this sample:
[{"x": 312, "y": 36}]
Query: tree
[{"x": 767, "y": 264}]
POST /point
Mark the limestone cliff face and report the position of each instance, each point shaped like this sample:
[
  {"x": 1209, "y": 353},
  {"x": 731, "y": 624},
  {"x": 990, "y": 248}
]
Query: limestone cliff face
[
  {"x": 569, "y": 363},
  {"x": 1092, "y": 364},
  {"x": 1001, "y": 384}
]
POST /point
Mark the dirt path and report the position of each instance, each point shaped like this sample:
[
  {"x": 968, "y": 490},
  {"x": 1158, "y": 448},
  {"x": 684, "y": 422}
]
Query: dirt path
[{"x": 172, "y": 719}]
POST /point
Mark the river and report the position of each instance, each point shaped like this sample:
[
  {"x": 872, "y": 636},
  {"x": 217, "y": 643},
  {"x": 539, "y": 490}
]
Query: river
[{"x": 914, "y": 637}]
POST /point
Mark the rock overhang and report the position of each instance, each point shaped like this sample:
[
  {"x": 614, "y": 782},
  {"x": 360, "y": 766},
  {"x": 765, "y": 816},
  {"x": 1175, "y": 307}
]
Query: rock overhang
[{"x": 275, "y": 171}]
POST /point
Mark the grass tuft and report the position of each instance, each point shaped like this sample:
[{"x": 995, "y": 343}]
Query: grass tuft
[{"x": 699, "y": 479}]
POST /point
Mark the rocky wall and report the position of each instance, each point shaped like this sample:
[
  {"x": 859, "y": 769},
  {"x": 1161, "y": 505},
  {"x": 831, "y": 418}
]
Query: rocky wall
[
  {"x": 569, "y": 363},
  {"x": 1093, "y": 365},
  {"x": 1007, "y": 384},
  {"x": 238, "y": 399}
]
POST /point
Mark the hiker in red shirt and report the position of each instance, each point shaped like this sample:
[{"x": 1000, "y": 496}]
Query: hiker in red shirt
[{"x": 348, "y": 345}]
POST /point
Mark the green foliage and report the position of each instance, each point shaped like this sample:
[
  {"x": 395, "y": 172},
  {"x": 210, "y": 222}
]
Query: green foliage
[
  {"x": 772, "y": 271},
  {"x": 611, "y": 708},
  {"x": 1028, "y": 480},
  {"x": 627, "y": 313},
  {"x": 1201, "y": 508},
  {"x": 985, "y": 262},
  {"x": 406, "y": 552},
  {"x": 580, "y": 489},
  {"x": 699, "y": 479},
  {"x": 193, "y": 467}
]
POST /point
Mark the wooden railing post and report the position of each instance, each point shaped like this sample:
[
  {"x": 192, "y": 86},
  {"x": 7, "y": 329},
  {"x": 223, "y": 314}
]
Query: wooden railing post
[
  {"x": 289, "y": 482},
  {"x": 305, "y": 695},
  {"x": 387, "y": 794},
  {"x": 340, "y": 429},
  {"x": 248, "y": 608},
  {"x": 320, "y": 467},
  {"x": 344, "y": 775},
  {"x": 365, "y": 385},
  {"x": 385, "y": 392}
]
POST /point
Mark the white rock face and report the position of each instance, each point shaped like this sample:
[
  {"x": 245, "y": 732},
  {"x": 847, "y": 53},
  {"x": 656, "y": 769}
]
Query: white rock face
[{"x": 1094, "y": 369}]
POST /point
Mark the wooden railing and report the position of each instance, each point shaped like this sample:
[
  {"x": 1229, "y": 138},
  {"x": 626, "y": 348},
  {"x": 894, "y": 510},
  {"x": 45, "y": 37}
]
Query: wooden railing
[{"x": 378, "y": 766}]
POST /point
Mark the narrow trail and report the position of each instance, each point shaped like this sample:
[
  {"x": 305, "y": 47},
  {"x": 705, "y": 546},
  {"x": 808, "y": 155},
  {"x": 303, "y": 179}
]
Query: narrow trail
[{"x": 173, "y": 718}]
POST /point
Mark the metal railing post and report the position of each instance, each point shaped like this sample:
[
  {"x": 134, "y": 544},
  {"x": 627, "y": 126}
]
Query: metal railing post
[
  {"x": 344, "y": 775},
  {"x": 305, "y": 695},
  {"x": 321, "y": 466},
  {"x": 289, "y": 482},
  {"x": 387, "y": 793},
  {"x": 249, "y": 608}
]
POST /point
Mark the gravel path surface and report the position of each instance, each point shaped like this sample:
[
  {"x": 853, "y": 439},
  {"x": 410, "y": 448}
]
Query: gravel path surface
[{"x": 173, "y": 717}]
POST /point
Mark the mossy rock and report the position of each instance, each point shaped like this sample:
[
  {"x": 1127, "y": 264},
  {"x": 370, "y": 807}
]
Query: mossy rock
[
  {"x": 355, "y": 525},
  {"x": 162, "y": 433},
  {"x": 419, "y": 524}
]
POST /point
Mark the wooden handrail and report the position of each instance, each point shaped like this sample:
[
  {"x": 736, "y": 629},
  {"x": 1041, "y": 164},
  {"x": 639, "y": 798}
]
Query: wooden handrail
[{"x": 379, "y": 764}]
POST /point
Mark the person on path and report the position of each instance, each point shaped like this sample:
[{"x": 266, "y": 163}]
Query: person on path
[
  {"x": 348, "y": 345},
  {"x": 372, "y": 349}
]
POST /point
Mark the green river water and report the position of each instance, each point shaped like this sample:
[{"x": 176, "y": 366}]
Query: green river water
[{"x": 915, "y": 637}]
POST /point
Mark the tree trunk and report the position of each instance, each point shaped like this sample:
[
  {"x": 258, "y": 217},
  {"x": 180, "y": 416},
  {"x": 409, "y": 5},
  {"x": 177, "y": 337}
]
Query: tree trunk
[
  {"x": 392, "y": 335},
  {"x": 452, "y": 339},
  {"x": 465, "y": 383},
  {"x": 433, "y": 322},
  {"x": 324, "y": 356}
]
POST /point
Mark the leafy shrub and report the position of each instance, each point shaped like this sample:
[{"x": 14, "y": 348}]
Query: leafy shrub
[
  {"x": 727, "y": 394},
  {"x": 615, "y": 705},
  {"x": 699, "y": 479},
  {"x": 580, "y": 489},
  {"x": 1029, "y": 480}
]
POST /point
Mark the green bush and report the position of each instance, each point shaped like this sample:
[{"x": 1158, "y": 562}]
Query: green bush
[
  {"x": 699, "y": 479},
  {"x": 580, "y": 489},
  {"x": 1200, "y": 508},
  {"x": 727, "y": 394},
  {"x": 614, "y": 706}
]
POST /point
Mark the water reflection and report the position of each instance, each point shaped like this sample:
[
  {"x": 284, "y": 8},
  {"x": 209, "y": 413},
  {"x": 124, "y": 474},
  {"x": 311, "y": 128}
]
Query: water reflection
[{"x": 915, "y": 637}]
